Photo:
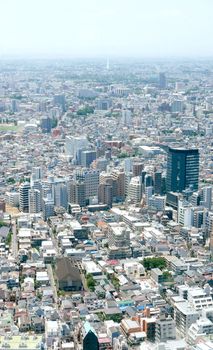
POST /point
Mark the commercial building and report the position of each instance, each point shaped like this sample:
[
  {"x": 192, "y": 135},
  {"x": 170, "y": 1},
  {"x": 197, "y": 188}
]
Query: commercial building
[
  {"x": 105, "y": 194},
  {"x": 162, "y": 80},
  {"x": 73, "y": 144},
  {"x": 60, "y": 194},
  {"x": 91, "y": 180},
  {"x": 158, "y": 182},
  {"x": 119, "y": 177},
  {"x": 46, "y": 124},
  {"x": 182, "y": 169},
  {"x": 48, "y": 207},
  {"x": 87, "y": 157},
  {"x": 76, "y": 193},
  {"x": 89, "y": 336}
]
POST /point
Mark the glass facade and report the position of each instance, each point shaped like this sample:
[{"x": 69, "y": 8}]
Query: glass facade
[{"x": 182, "y": 169}]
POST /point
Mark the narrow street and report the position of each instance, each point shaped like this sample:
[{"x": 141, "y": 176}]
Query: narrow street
[
  {"x": 52, "y": 283},
  {"x": 14, "y": 242}
]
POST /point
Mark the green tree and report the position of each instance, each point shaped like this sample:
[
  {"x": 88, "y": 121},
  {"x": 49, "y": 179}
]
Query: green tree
[
  {"x": 54, "y": 123},
  {"x": 115, "y": 281},
  {"x": 90, "y": 282},
  {"x": 156, "y": 262},
  {"x": 85, "y": 110},
  {"x": 9, "y": 238},
  {"x": 2, "y": 223},
  {"x": 167, "y": 276},
  {"x": 11, "y": 180}
]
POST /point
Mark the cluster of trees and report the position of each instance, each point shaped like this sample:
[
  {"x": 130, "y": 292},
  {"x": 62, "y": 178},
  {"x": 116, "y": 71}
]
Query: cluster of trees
[
  {"x": 86, "y": 110},
  {"x": 24, "y": 179},
  {"x": 9, "y": 238},
  {"x": 156, "y": 262},
  {"x": 167, "y": 276},
  {"x": 11, "y": 181},
  {"x": 54, "y": 123},
  {"x": 2, "y": 223},
  {"x": 114, "y": 280},
  {"x": 123, "y": 155},
  {"x": 90, "y": 282}
]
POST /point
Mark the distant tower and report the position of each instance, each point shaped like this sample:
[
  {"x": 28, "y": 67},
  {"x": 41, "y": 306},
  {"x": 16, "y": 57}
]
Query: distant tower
[
  {"x": 162, "y": 81},
  {"x": 126, "y": 118}
]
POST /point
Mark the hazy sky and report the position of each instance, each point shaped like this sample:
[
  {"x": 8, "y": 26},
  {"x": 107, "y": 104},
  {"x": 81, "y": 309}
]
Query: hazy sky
[{"x": 151, "y": 28}]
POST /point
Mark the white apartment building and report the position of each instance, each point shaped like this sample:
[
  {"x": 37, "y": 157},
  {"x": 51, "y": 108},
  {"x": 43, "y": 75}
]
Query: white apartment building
[
  {"x": 185, "y": 214},
  {"x": 157, "y": 202},
  {"x": 184, "y": 315},
  {"x": 135, "y": 189},
  {"x": 201, "y": 327},
  {"x": 165, "y": 329},
  {"x": 199, "y": 298}
]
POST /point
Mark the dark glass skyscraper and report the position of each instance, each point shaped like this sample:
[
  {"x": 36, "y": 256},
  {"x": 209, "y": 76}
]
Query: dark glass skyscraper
[
  {"x": 182, "y": 169},
  {"x": 162, "y": 80}
]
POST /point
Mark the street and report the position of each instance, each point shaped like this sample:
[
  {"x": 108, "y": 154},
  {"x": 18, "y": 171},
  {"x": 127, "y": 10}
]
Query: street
[{"x": 14, "y": 242}]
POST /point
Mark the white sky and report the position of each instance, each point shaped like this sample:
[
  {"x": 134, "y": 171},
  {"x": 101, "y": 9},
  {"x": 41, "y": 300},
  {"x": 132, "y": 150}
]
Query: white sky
[{"x": 75, "y": 28}]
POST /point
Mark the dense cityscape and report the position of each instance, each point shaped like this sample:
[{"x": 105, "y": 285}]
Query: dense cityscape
[{"x": 106, "y": 229}]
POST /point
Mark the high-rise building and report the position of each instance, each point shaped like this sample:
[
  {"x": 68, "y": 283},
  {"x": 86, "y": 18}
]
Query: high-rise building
[
  {"x": 37, "y": 173},
  {"x": 74, "y": 144},
  {"x": 182, "y": 169},
  {"x": 91, "y": 180},
  {"x": 14, "y": 106},
  {"x": 162, "y": 81},
  {"x": 59, "y": 100},
  {"x": 34, "y": 201},
  {"x": 87, "y": 157},
  {"x": 148, "y": 180},
  {"x": 184, "y": 316},
  {"x": 135, "y": 189},
  {"x": 105, "y": 194},
  {"x": 177, "y": 106},
  {"x": 103, "y": 104},
  {"x": 76, "y": 193},
  {"x": 137, "y": 168},
  {"x": 148, "y": 193},
  {"x": 158, "y": 182},
  {"x": 46, "y": 124},
  {"x": 185, "y": 214},
  {"x": 126, "y": 118},
  {"x": 48, "y": 207},
  {"x": 119, "y": 177},
  {"x": 24, "y": 197},
  {"x": 206, "y": 197},
  {"x": 60, "y": 195}
]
